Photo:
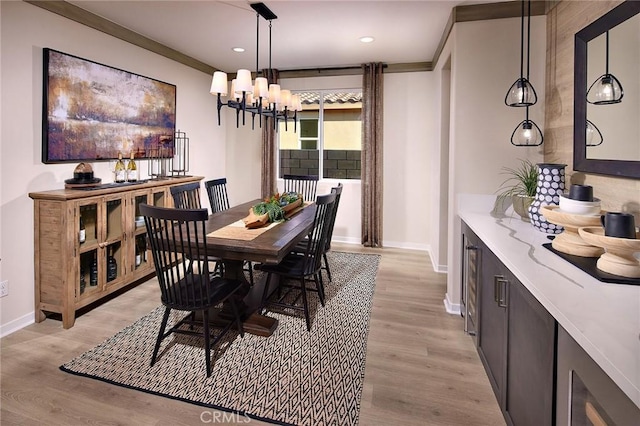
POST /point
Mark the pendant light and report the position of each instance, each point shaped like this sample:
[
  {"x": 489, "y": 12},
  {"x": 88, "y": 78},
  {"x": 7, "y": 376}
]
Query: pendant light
[
  {"x": 527, "y": 133},
  {"x": 521, "y": 93},
  {"x": 593, "y": 135},
  {"x": 606, "y": 89}
]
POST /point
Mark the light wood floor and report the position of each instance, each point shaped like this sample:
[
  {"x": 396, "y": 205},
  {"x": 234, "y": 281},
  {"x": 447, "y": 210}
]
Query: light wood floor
[{"x": 421, "y": 368}]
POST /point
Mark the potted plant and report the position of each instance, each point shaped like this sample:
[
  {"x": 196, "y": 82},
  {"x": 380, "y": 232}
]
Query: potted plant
[{"x": 520, "y": 187}]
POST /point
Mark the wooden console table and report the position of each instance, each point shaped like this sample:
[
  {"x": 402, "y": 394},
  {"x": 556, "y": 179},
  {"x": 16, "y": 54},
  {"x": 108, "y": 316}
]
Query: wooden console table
[{"x": 64, "y": 279}]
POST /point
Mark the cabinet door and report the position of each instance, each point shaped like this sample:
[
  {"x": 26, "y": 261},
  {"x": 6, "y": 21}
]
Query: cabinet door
[
  {"x": 492, "y": 322},
  {"x": 531, "y": 341},
  {"x": 112, "y": 258},
  {"x": 88, "y": 270},
  {"x": 138, "y": 257}
]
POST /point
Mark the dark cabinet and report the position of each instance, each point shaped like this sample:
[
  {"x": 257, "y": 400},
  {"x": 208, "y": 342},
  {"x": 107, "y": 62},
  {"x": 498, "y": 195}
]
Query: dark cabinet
[{"x": 516, "y": 343}]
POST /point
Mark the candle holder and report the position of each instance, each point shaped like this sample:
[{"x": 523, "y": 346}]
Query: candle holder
[{"x": 180, "y": 160}]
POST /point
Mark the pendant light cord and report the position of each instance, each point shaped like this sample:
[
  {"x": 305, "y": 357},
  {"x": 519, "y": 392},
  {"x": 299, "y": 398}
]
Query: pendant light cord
[
  {"x": 257, "y": 43},
  {"x": 522, "y": 40},
  {"x": 607, "y": 54},
  {"x": 270, "y": 71},
  {"x": 528, "y": 35}
]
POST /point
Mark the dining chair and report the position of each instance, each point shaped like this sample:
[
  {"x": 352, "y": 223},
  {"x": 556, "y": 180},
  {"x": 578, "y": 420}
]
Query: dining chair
[
  {"x": 219, "y": 201},
  {"x": 302, "y": 245},
  {"x": 217, "y": 192},
  {"x": 302, "y": 184},
  {"x": 186, "y": 196},
  {"x": 175, "y": 235},
  {"x": 298, "y": 268}
]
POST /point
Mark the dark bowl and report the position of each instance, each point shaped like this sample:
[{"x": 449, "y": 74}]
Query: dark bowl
[{"x": 83, "y": 176}]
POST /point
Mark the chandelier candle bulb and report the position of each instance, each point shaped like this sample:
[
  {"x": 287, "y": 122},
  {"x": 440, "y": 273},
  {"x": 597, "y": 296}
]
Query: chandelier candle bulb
[
  {"x": 285, "y": 99},
  {"x": 243, "y": 81},
  {"x": 274, "y": 93},
  {"x": 261, "y": 88},
  {"x": 219, "y": 84}
]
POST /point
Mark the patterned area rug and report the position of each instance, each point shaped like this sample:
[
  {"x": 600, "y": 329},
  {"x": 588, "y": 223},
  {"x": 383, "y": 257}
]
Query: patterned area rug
[{"x": 292, "y": 377}]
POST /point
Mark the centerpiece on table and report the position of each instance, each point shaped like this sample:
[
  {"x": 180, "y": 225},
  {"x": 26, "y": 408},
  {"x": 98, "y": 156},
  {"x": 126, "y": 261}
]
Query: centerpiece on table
[{"x": 273, "y": 209}]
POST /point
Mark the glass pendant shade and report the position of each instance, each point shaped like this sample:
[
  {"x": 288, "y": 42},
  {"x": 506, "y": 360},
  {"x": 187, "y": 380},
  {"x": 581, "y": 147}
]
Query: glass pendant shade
[
  {"x": 527, "y": 134},
  {"x": 593, "y": 135},
  {"x": 521, "y": 94},
  {"x": 219, "y": 83},
  {"x": 605, "y": 90}
]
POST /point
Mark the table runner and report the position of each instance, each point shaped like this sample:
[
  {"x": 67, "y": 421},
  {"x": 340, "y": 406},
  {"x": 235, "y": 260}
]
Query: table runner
[{"x": 237, "y": 230}]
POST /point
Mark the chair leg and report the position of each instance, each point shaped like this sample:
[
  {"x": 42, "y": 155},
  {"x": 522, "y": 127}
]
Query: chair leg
[
  {"x": 305, "y": 304},
  {"x": 207, "y": 340},
  {"x": 250, "y": 266},
  {"x": 317, "y": 278},
  {"x": 163, "y": 325},
  {"x": 236, "y": 314},
  {"x": 326, "y": 266}
]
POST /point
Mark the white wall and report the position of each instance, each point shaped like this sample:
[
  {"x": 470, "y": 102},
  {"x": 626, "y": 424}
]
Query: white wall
[
  {"x": 485, "y": 63},
  {"x": 25, "y": 31}
]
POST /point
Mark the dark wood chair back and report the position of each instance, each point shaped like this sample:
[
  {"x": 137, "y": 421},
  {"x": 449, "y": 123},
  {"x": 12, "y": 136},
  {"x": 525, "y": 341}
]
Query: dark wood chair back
[
  {"x": 186, "y": 196},
  {"x": 174, "y": 236},
  {"x": 217, "y": 192},
  {"x": 338, "y": 191},
  {"x": 316, "y": 241},
  {"x": 302, "y": 184}
]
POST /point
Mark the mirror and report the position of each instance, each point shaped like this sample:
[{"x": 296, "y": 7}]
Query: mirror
[{"x": 619, "y": 124}]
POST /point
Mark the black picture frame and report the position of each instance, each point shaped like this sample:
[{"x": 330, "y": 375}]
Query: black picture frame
[
  {"x": 92, "y": 112},
  {"x": 618, "y": 168}
]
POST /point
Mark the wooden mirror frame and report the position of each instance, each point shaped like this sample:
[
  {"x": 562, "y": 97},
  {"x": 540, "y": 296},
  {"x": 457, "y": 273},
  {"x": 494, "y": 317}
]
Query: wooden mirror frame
[{"x": 619, "y": 168}]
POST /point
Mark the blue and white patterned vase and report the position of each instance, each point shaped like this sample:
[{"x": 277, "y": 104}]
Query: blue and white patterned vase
[{"x": 550, "y": 186}]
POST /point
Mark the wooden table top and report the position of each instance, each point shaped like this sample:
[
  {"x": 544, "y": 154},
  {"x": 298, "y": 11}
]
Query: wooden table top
[{"x": 270, "y": 247}]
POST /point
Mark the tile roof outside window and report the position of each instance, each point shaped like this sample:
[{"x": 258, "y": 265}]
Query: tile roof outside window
[{"x": 309, "y": 98}]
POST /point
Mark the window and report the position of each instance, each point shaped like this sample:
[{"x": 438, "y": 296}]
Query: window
[{"x": 328, "y": 138}]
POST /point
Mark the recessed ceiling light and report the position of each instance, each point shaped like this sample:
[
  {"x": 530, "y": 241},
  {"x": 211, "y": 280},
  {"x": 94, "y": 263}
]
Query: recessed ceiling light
[
  {"x": 366, "y": 39},
  {"x": 238, "y": 49}
]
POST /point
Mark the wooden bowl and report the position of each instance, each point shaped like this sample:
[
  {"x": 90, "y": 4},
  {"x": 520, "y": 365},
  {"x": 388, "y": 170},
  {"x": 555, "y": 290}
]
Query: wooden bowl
[
  {"x": 569, "y": 241},
  {"x": 618, "y": 258}
]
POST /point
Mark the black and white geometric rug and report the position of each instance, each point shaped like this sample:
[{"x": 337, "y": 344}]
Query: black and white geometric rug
[{"x": 292, "y": 377}]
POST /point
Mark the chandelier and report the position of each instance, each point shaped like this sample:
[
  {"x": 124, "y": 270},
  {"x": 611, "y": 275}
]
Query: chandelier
[{"x": 262, "y": 97}]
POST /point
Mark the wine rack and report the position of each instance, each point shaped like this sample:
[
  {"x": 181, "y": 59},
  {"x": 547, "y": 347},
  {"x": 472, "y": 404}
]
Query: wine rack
[{"x": 71, "y": 274}]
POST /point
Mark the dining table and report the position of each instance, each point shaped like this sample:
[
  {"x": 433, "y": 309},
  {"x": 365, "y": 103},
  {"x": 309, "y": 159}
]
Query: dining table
[{"x": 229, "y": 240}]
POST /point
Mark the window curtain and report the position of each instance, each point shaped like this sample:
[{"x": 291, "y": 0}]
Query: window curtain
[
  {"x": 269, "y": 145},
  {"x": 371, "y": 178}
]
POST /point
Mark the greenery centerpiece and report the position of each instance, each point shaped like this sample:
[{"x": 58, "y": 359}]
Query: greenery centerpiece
[
  {"x": 520, "y": 187},
  {"x": 272, "y": 209}
]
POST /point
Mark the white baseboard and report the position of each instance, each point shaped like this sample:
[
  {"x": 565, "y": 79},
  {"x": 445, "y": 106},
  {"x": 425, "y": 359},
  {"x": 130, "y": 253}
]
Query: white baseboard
[
  {"x": 17, "y": 324},
  {"x": 441, "y": 269},
  {"x": 451, "y": 308},
  {"x": 407, "y": 246},
  {"x": 346, "y": 240}
]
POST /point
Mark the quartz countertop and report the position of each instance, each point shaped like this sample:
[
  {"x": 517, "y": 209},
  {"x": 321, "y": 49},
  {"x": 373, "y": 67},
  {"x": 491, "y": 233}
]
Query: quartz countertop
[{"x": 603, "y": 318}]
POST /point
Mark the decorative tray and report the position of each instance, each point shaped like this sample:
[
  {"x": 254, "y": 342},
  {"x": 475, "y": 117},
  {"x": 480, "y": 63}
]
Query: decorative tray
[{"x": 588, "y": 265}]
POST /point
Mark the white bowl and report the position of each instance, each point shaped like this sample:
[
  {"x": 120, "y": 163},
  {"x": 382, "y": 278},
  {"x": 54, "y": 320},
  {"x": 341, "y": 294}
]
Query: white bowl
[
  {"x": 139, "y": 220},
  {"x": 589, "y": 208}
]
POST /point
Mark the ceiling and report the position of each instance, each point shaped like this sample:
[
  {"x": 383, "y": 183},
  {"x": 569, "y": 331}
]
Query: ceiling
[{"x": 307, "y": 34}]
